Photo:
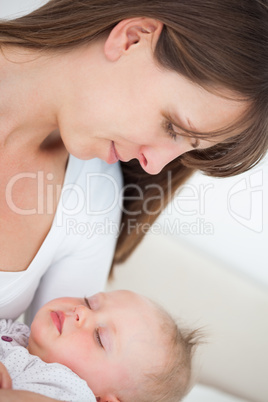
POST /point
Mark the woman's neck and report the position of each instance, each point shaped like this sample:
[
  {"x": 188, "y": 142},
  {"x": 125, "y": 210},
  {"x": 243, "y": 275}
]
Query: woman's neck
[
  {"x": 36, "y": 86},
  {"x": 27, "y": 107}
]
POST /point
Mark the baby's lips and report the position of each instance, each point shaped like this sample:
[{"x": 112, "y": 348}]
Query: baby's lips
[{"x": 58, "y": 318}]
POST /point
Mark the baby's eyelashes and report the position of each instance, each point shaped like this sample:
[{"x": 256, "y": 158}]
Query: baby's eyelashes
[{"x": 87, "y": 303}]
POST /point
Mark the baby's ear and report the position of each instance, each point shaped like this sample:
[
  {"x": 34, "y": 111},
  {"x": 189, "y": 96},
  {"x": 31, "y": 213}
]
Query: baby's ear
[{"x": 107, "y": 398}]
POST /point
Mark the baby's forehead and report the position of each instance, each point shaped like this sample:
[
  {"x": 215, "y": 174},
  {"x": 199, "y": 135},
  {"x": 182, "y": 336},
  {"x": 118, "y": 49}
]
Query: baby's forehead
[
  {"x": 144, "y": 310},
  {"x": 137, "y": 300},
  {"x": 129, "y": 297},
  {"x": 163, "y": 322}
]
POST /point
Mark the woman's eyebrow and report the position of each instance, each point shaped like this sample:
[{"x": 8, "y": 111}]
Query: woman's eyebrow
[
  {"x": 177, "y": 122},
  {"x": 198, "y": 140},
  {"x": 191, "y": 125},
  {"x": 189, "y": 131}
]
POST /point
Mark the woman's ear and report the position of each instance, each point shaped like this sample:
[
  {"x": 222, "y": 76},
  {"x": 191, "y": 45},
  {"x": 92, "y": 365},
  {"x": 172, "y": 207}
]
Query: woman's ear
[{"x": 127, "y": 33}]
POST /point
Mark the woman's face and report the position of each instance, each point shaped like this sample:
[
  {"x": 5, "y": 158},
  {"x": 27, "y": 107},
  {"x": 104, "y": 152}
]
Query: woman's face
[{"x": 128, "y": 109}]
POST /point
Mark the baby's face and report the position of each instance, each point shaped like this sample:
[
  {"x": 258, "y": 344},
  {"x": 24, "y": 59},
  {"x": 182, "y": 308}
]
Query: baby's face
[{"x": 107, "y": 339}]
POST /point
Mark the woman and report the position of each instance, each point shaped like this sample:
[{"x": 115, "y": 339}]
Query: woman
[{"x": 147, "y": 80}]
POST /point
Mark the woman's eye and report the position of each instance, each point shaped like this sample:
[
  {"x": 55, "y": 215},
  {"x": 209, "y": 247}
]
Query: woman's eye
[
  {"x": 195, "y": 142},
  {"x": 171, "y": 131},
  {"x": 87, "y": 303},
  {"x": 98, "y": 338}
]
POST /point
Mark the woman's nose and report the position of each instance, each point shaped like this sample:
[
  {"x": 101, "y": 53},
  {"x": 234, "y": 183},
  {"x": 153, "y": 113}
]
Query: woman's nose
[{"x": 154, "y": 160}]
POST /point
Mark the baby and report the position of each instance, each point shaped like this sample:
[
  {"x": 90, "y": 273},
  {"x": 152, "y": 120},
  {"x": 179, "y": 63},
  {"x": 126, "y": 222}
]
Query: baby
[{"x": 123, "y": 347}]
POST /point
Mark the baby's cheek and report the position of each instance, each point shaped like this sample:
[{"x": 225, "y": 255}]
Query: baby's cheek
[
  {"x": 57, "y": 351},
  {"x": 74, "y": 352}
]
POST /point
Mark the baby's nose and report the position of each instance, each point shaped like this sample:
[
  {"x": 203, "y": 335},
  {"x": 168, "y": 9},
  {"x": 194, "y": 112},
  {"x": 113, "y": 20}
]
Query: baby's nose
[{"x": 80, "y": 314}]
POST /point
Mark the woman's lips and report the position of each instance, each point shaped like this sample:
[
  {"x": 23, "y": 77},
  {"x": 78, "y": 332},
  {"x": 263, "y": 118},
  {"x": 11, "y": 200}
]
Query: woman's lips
[
  {"x": 58, "y": 319},
  {"x": 115, "y": 157}
]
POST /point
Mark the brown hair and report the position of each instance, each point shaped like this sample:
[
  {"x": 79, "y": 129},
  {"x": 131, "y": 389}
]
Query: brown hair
[{"x": 214, "y": 43}]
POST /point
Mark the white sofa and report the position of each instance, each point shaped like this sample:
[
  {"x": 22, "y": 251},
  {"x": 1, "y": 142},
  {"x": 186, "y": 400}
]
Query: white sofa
[{"x": 201, "y": 393}]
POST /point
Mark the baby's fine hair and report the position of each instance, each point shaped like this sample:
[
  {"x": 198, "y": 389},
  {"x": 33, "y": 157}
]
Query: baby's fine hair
[{"x": 169, "y": 382}]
